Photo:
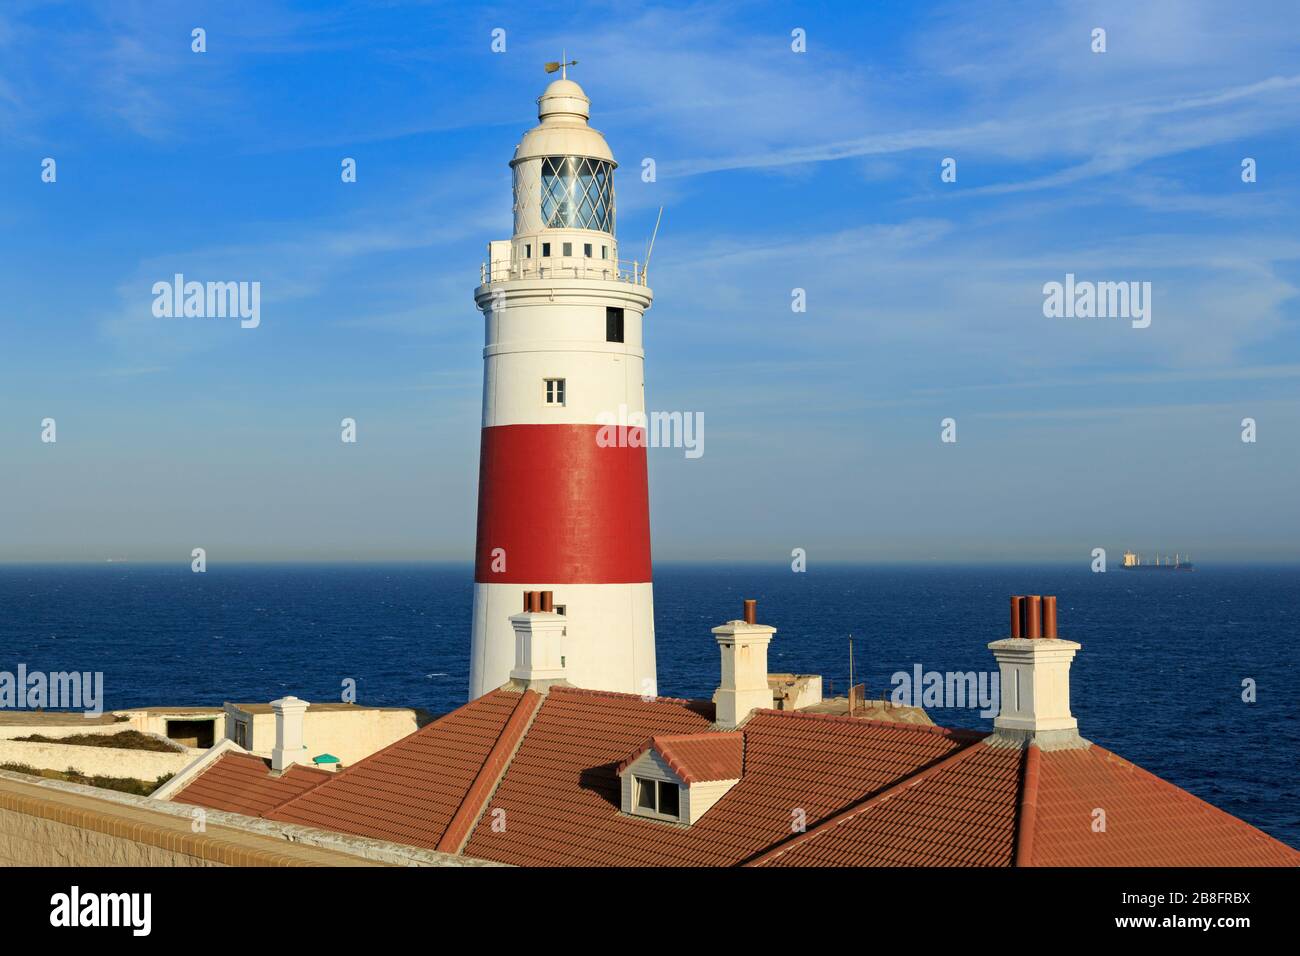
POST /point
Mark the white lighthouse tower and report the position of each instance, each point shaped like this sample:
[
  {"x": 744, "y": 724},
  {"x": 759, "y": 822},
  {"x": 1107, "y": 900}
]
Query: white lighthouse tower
[{"x": 562, "y": 508}]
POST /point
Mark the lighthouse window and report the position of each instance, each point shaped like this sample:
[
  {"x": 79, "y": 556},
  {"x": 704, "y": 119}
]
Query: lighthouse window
[
  {"x": 577, "y": 193},
  {"x": 613, "y": 325},
  {"x": 555, "y": 391},
  {"x": 586, "y": 249},
  {"x": 568, "y": 248},
  {"x": 546, "y": 250},
  {"x": 528, "y": 251},
  {"x": 604, "y": 252}
]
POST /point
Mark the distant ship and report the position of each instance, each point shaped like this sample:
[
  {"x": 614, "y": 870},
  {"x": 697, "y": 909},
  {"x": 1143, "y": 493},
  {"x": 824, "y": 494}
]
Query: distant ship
[{"x": 1179, "y": 562}]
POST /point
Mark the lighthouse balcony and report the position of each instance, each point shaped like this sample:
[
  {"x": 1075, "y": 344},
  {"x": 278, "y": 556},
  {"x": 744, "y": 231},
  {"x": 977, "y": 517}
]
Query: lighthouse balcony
[{"x": 577, "y": 267}]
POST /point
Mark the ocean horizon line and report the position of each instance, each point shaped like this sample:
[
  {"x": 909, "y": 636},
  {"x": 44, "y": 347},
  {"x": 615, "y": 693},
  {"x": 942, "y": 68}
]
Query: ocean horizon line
[{"x": 1060, "y": 563}]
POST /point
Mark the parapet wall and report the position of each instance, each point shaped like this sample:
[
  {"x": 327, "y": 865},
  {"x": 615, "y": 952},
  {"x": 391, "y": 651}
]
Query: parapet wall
[
  {"x": 53, "y": 823},
  {"x": 147, "y": 765}
]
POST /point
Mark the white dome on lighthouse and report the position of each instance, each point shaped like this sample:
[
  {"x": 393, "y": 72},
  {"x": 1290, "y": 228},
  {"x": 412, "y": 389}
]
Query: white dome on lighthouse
[
  {"x": 563, "y": 97},
  {"x": 563, "y": 131}
]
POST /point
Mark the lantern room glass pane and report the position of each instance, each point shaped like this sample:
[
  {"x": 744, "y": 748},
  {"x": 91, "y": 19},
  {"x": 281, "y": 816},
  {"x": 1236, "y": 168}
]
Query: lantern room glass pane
[{"x": 577, "y": 193}]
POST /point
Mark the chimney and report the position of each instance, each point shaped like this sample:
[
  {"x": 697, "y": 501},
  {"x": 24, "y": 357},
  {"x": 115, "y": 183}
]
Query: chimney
[
  {"x": 289, "y": 747},
  {"x": 539, "y": 642},
  {"x": 1034, "y": 666},
  {"x": 744, "y": 686}
]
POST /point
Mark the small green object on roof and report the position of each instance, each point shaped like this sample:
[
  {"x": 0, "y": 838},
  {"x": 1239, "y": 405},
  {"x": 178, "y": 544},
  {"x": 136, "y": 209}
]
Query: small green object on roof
[{"x": 325, "y": 758}]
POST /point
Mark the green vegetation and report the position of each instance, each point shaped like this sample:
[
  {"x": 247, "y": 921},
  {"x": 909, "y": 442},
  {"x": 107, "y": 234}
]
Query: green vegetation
[
  {"x": 122, "y": 784},
  {"x": 122, "y": 740}
]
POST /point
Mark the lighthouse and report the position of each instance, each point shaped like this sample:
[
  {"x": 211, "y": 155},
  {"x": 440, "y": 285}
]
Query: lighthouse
[{"x": 563, "y": 504}]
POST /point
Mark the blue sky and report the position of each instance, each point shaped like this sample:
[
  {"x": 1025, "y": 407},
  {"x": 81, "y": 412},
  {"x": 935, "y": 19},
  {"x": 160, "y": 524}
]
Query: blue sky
[{"x": 776, "y": 170}]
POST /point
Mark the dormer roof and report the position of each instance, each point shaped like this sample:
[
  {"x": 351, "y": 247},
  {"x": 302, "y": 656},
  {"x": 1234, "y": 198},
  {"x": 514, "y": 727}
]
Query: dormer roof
[{"x": 696, "y": 758}]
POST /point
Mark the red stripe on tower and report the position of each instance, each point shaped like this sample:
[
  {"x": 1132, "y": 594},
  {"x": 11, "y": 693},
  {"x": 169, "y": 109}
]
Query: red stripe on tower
[{"x": 556, "y": 506}]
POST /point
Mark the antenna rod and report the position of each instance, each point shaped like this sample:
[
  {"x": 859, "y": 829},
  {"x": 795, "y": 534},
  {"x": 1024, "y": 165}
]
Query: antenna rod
[
  {"x": 651, "y": 249},
  {"x": 851, "y": 684}
]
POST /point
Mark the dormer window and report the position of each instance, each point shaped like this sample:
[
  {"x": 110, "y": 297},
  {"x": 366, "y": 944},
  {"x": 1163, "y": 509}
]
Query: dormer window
[
  {"x": 677, "y": 779},
  {"x": 658, "y": 798}
]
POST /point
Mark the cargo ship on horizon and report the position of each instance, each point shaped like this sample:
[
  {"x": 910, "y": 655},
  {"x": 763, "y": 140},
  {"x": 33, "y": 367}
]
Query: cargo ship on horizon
[{"x": 1133, "y": 561}]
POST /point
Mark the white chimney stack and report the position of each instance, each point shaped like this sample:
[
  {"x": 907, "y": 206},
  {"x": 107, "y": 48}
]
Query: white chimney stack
[
  {"x": 1034, "y": 666},
  {"x": 289, "y": 746},
  {"x": 539, "y": 642},
  {"x": 744, "y": 686}
]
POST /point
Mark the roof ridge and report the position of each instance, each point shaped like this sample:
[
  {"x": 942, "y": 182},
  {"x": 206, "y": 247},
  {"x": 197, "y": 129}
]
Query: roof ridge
[
  {"x": 1027, "y": 815},
  {"x": 858, "y": 809},
  {"x": 595, "y": 692},
  {"x": 976, "y": 735},
  {"x": 494, "y": 767}
]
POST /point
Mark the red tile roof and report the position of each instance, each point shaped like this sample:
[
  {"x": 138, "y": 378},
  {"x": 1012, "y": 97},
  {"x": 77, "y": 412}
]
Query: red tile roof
[
  {"x": 489, "y": 775},
  {"x": 1148, "y": 821},
  {"x": 409, "y": 791},
  {"x": 959, "y": 812},
  {"x": 868, "y": 793},
  {"x": 697, "y": 758},
  {"x": 243, "y": 783},
  {"x": 561, "y": 793}
]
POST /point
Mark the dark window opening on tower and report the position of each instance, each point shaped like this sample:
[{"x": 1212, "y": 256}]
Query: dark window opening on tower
[
  {"x": 528, "y": 251},
  {"x": 546, "y": 250},
  {"x": 613, "y": 325},
  {"x": 555, "y": 391},
  {"x": 604, "y": 252},
  {"x": 568, "y": 248},
  {"x": 586, "y": 249}
]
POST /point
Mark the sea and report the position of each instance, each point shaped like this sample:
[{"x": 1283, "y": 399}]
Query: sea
[{"x": 1193, "y": 675}]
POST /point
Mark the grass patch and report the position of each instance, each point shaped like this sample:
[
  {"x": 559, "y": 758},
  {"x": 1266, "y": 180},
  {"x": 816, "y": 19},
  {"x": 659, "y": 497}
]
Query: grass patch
[
  {"x": 122, "y": 740},
  {"x": 141, "y": 788}
]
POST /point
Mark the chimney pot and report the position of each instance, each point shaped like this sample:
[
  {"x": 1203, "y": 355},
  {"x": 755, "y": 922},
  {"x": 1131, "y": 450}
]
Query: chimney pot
[
  {"x": 547, "y": 602},
  {"x": 751, "y": 611},
  {"x": 1033, "y": 617},
  {"x": 528, "y": 600},
  {"x": 1017, "y": 610},
  {"x": 1049, "y": 617},
  {"x": 534, "y": 601}
]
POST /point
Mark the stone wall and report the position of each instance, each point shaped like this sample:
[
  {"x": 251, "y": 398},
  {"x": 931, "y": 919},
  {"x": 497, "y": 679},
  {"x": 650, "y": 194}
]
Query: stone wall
[
  {"x": 10, "y": 730},
  {"x": 145, "y": 765},
  {"x": 53, "y": 823}
]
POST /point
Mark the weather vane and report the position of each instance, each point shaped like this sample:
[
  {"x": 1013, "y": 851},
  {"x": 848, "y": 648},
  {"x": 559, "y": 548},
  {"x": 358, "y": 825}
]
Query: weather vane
[{"x": 563, "y": 65}]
